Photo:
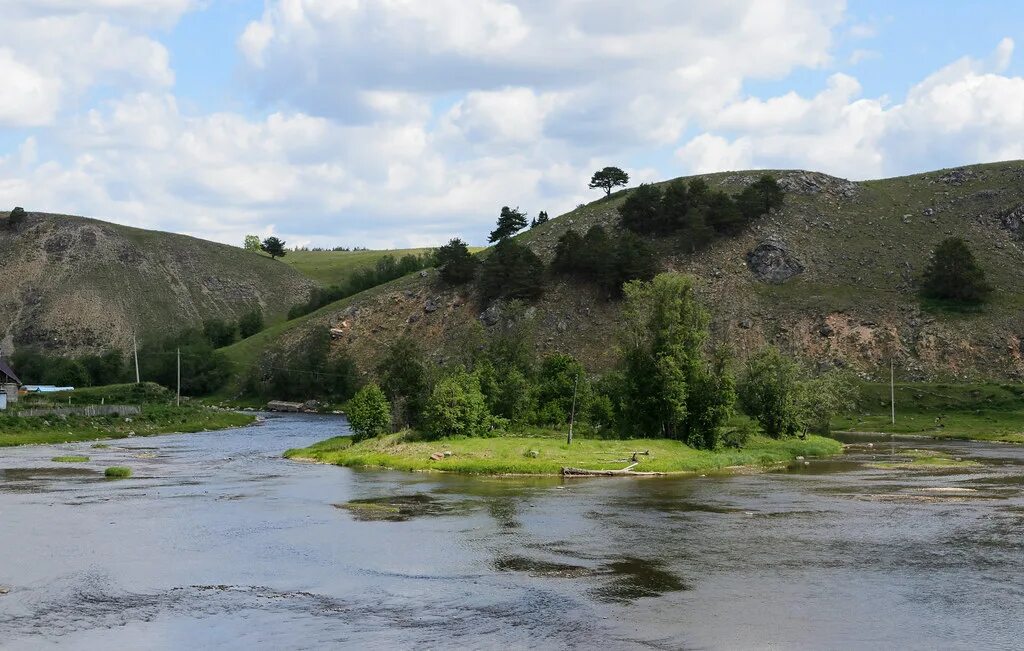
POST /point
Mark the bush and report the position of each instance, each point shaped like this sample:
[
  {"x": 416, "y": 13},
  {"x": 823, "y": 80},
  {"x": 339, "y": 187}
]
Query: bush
[
  {"x": 457, "y": 408},
  {"x": 250, "y": 324},
  {"x": 405, "y": 379},
  {"x": 117, "y": 472},
  {"x": 220, "y": 333},
  {"x": 369, "y": 413}
]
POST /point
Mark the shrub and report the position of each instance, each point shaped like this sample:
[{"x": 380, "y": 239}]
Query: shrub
[
  {"x": 456, "y": 407},
  {"x": 220, "y": 333},
  {"x": 369, "y": 413},
  {"x": 117, "y": 472},
  {"x": 70, "y": 459},
  {"x": 250, "y": 324},
  {"x": 768, "y": 393}
]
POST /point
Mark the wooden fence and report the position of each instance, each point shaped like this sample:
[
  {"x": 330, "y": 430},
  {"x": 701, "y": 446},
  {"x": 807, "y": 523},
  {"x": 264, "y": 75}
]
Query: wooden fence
[{"x": 90, "y": 410}]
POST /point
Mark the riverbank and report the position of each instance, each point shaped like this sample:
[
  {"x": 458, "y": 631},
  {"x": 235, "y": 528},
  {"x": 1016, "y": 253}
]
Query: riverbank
[
  {"x": 979, "y": 412},
  {"x": 548, "y": 455},
  {"x": 154, "y": 419}
]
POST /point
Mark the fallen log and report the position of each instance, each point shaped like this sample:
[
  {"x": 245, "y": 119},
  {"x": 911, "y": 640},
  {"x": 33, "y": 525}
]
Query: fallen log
[{"x": 625, "y": 472}]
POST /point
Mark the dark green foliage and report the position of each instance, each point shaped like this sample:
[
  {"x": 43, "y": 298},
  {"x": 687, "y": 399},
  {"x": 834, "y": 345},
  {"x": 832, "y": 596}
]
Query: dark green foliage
[
  {"x": 273, "y": 247},
  {"x": 953, "y": 274},
  {"x": 542, "y": 218},
  {"x": 512, "y": 271},
  {"x": 695, "y": 211},
  {"x": 641, "y": 211},
  {"x": 87, "y": 371},
  {"x": 220, "y": 333},
  {"x": 16, "y": 217},
  {"x": 250, "y": 323},
  {"x": 760, "y": 197},
  {"x": 204, "y": 370},
  {"x": 306, "y": 371},
  {"x": 667, "y": 387},
  {"x": 554, "y": 384},
  {"x": 386, "y": 270},
  {"x": 608, "y": 264},
  {"x": 404, "y": 375},
  {"x": 368, "y": 413},
  {"x": 608, "y": 178},
  {"x": 510, "y": 222},
  {"x": 456, "y": 407},
  {"x": 457, "y": 264},
  {"x": 769, "y": 392},
  {"x": 506, "y": 390}
]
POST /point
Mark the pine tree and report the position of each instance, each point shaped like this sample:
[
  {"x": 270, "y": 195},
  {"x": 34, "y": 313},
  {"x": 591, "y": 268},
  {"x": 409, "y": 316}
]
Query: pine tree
[
  {"x": 510, "y": 222},
  {"x": 953, "y": 274}
]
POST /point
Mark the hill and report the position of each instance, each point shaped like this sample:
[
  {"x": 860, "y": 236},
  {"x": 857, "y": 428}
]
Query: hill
[
  {"x": 831, "y": 277},
  {"x": 74, "y": 285}
]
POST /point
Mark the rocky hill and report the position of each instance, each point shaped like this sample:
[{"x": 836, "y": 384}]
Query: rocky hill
[
  {"x": 74, "y": 285},
  {"x": 831, "y": 277}
]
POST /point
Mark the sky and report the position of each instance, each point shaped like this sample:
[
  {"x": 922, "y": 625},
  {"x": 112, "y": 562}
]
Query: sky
[{"x": 396, "y": 123}]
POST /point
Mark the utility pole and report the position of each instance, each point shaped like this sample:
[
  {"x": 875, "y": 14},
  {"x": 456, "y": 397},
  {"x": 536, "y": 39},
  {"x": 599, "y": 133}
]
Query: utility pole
[
  {"x": 135, "y": 349},
  {"x": 179, "y": 378},
  {"x": 572, "y": 415},
  {"x": 892, "y": 389}
]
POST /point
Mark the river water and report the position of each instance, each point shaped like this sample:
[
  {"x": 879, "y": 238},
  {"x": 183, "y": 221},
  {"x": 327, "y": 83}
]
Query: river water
[{"x": 217, "y": 542}]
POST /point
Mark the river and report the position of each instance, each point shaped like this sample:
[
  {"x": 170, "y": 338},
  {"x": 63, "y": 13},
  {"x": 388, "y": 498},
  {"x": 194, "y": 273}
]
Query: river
[{"x": 218, "y": 542}]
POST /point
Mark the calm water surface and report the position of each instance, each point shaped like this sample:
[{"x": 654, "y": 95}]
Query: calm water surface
[{"x": 218, "y": 542}]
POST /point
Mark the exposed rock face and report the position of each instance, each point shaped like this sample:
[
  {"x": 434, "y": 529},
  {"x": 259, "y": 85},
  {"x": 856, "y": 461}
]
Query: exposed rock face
[
  {"x": 817, "y": 183},
  {"x": 1013, "y": 220},
  {"x": 771, "y": 262}
]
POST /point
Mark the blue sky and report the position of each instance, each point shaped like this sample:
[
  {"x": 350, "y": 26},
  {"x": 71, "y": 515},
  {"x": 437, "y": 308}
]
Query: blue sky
[{"x": 402, "y": 123}]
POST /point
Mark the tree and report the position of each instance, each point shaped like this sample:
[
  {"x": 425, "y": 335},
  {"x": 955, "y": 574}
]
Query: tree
[
  {"x": 953, "y": 274},
  {"x": 769, "y": 392},
  {"x": 250, "y": 323},
  {"x": 457, "y": 264},
  {"x": 608, "y": 178},
  {"x": 555, "y": 384},
  {"x": 220, "y": 333},
  {"x": 368, "y": 413},
  {"x": 404, "y": 377},
  {"x": 510, "y": 222},
  {"x": 512, "y": 270},
  {"x": 273, "y": 247},
  {"x": 760, "y": 197},
  {"x": 542, "y": 218},
  {"x": 641, "y": 211},
  {"x": 252, "y": 243},
  {"x": 16, "y": 217},
  {"x": 667, "y": 387},
  {"x": 456, "y": 407}
]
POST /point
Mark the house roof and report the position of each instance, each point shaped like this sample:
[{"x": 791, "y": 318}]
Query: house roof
[{"x": 7, "y": 372}]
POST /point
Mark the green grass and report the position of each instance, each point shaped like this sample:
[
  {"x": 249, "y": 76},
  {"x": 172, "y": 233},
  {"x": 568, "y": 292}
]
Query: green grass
[
  {"x": 336, "y": 267},
  {"x": 987, "y": 412},
  {"x": 117, "y": 472},
  {"x": 511, "y": 454},
  {"x": 154, "y": 419},
  {"x": 112, "y": 394},
  {"x": 70, "y": 459}
]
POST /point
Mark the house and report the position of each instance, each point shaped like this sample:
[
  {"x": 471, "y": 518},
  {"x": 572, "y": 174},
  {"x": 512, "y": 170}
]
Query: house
[{"x": 9, "y": 384}]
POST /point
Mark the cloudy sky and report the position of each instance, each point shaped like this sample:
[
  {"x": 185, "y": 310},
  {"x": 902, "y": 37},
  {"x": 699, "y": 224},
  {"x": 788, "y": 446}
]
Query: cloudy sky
[{"x": 405, "y": 122}]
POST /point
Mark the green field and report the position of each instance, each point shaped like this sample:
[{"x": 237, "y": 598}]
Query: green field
[
  {"x": 514, "y": 454},
  {"x": 988, "y": 412},
  {"x": 336, "y": 267}
]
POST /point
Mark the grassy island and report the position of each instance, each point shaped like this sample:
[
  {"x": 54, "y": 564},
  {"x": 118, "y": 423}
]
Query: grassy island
[{"x": 547, "y": 455}]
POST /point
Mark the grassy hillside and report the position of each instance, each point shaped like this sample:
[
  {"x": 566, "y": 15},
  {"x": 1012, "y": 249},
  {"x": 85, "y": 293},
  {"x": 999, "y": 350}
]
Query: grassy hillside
[
  {"x": 75, "y": 285},
  {"x": 860, "y": 248},
  {"x": 336, "y": 267}
]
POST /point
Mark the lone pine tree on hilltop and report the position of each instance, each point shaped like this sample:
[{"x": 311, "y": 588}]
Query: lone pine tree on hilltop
[
  {"x": 510, "y": 222},
  {"x": 273, "y": 247},
  {"x": 608, "y": 178}
]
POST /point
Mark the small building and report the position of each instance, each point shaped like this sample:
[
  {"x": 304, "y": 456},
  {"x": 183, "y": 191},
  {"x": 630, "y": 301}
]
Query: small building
[{"x": 9, "y": 384}]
